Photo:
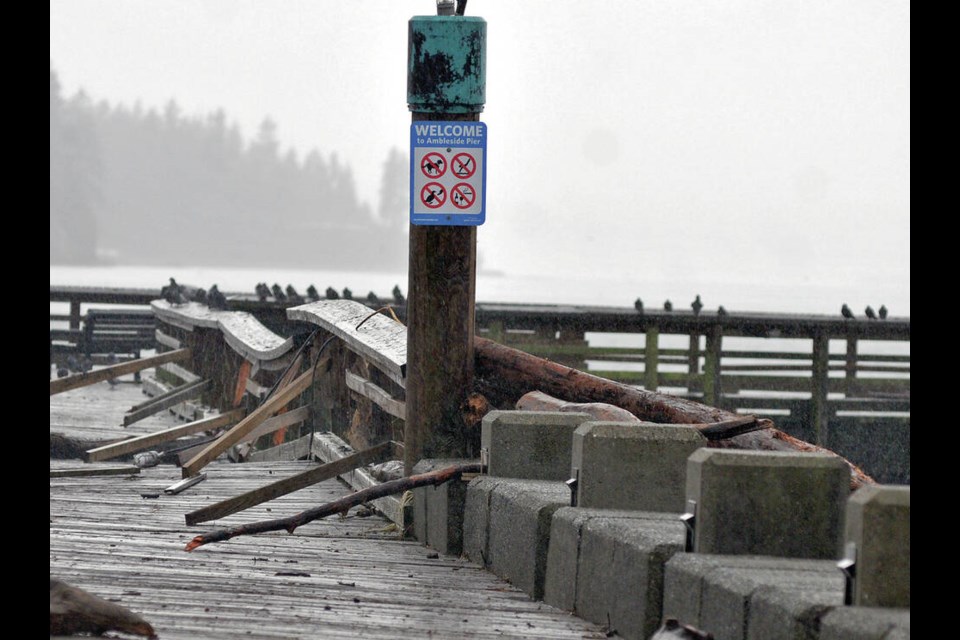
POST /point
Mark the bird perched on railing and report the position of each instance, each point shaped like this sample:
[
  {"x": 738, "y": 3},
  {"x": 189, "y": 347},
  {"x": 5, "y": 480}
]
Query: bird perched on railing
[
  {"x": 638, "y": 305},
  {"x": 870, "y": 312},
  {"x": 331, "y": 294},
  {"x": 293, "y": 295},
  {"x": 312, "y": 293},
  {"x": 721, "y": 312},
  {"x": 263, "y": 291},
  {"x": 398, "y": 295},
  {"x": 883, "y": 312},
  {"x": 845, "y": 312},
  {"x": 373, "y": 299},
  {"x": 215, "y": 299},
  {"x": 278, "y": 293},
  {"x": 199, "y": 295},
  {"x": 696, "y": 305},
  {"x": 347, "y": 294},
  {"x": 173, "y": 293},
  {"x": 668, "y": 306}
]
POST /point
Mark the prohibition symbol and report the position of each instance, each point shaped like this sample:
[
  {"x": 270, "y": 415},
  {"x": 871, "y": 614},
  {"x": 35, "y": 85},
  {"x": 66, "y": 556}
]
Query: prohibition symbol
[
  {"x": 464, "y": 165},
  {"x": 463, "y": 195},
  {"x": 433, "y": 194},
  {"x": 433, "y": 165}
]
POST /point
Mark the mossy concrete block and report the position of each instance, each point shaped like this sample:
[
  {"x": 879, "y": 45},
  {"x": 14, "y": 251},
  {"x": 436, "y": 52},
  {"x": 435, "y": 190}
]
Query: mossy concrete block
[
  {"x": 438, "y": 510},
  {"x": 878, "y": 524},
  {"x": 640, "y": 466},
  {"x": 620, "y": 580},
  {"x": 795, "y": 611},
  {"x": 531, "y": 445},
  {"x": 561, "y": 581},
  {"x": 769, "y": 503},
  {"x": 519, "y": 530},
  {"x": 865, "y": 623}
]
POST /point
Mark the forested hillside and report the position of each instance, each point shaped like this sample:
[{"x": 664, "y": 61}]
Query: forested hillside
[{"x": 134, "y": 185}]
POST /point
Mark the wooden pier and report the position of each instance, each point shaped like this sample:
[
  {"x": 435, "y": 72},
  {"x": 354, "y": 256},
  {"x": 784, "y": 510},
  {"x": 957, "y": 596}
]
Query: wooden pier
[{"x": 122, "y": 538}]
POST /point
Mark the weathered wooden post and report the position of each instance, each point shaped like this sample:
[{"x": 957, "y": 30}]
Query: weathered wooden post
[
  {"x": 713, "y": 357},
  {"x": 819, "y": 381},
  {"x": 445, "y": 93},
  {"x": 651, "y": 358}
]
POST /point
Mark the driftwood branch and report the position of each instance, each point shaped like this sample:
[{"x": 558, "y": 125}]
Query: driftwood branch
[
  {"x": 290, "y": 523},
  {"x": 504, "y": 374}
]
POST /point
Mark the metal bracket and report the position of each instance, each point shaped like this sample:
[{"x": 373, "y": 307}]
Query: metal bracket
[
  {"x": 689, "y": 520},
  {"x": 848, "y": 565},
  {"x": 572, "y": 483}
]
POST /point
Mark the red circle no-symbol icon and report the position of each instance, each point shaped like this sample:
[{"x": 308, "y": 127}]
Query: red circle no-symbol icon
[
  {"x": 464, "y": 165},
  {"x": 433, "y": 165},
  {"x": 433, "y": 195},
  {"x": 463, "y": 195}
]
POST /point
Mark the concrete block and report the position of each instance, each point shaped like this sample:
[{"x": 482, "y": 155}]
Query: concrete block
[
  {"x": 878, "y": 524},
  {"x": 794, "y": 612},
  {"x": 620, "y": 579},
  {"x": 560, "y": 583},
  {"x": 865, "y": 623},
  {"x": 769, "y": 503},
  {"x": 716, "y": 590},
  {"x": 476, "y": 519},
  {"x": 438, "y": 511},
  {"x": 519, "y": 530},
  {"x": 638, "y": 466},
  {"x": 531, "y": 445}
]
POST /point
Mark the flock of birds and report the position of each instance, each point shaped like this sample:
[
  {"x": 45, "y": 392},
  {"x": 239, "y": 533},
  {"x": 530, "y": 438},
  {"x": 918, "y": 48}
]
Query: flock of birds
[
  {"x": 178, "y": 294},
  {"x": 697, "y": 306}
]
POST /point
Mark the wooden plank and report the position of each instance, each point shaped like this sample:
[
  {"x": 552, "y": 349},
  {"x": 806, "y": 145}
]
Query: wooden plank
[
  {"x": 173, "y": 397},
  {"x": 279, "y": 422},
  {"x": 328, "y": 447},
  {"x": 378, "y": 395},
  {"x": 179, "y": 372},
  {"x": 107, "y": 373},
  {"x": 712, "y": 388},
  {"x": 151, "y": 439},
  {"x": 186, "y": 483},
  {"x": 298, "y": 449},
  {"x": 650, "y": 381},
  {"x": 94, "y": 471},
  {"x": 165, "y": 340},
  {"x": 248, "y": 424},
  {"x": 381, "y": 340},
  {"x": 289, "y": 485}
]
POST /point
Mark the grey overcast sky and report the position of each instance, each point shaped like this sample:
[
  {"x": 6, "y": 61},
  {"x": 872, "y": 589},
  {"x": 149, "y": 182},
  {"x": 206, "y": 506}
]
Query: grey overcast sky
[{"x": 746, "y": 141}]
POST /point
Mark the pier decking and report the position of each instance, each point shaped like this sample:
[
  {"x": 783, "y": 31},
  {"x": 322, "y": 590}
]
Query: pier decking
[{"x": 349, "y": 577}]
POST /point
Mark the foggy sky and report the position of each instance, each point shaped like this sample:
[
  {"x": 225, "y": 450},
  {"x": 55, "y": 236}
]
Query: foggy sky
[{"x": 740, "y": 141}]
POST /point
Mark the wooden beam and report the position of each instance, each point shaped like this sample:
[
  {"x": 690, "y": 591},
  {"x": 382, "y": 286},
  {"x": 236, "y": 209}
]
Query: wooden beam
[
  {"x": 152, "y": 439},
  {"x": 328, "y": 447},
  {"x": 108, "y": 373},
  {"x": 288, "y": 485},
  {"x": 279, "y": 422},
  {"x": 819, "y": 411},
  {"x": 650, "y": 378},
  {"x": 165, "y": 401},
  {"x": 377, "y": 394},
  {"x": 712, "y": 388},
  {"x": 94, "y": 471},
  {"x": 257, "y": 417}
]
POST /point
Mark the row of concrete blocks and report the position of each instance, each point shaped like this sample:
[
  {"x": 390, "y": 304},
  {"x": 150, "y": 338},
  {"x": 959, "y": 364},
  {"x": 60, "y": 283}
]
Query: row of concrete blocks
[{"x": 758, "y": 559}]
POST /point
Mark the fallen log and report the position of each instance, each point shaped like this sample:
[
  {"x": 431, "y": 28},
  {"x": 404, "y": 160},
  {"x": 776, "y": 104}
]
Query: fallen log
[
  {"x": 539, "y": 401},
  {"x": 290, "y": 523},
  {"x": 504, "y": 374}
]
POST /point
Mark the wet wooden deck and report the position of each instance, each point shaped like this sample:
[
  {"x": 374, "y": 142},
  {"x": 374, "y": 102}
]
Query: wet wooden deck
[{"x": 349, "y": 577}]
